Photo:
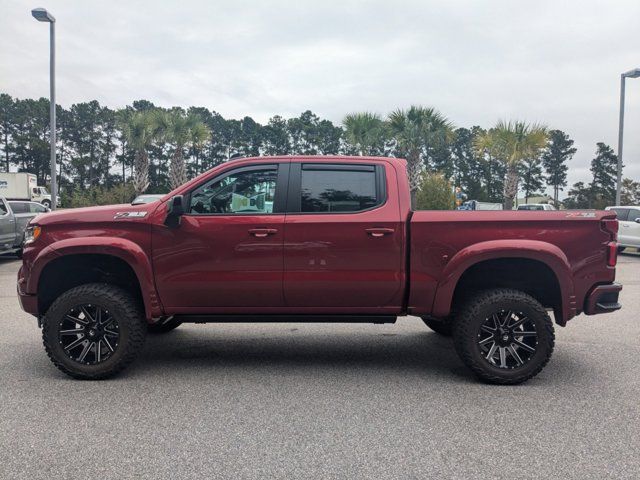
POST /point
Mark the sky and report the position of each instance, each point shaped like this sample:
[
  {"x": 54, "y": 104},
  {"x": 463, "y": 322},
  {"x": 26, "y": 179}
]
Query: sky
[{"x": 553, "y": 62}]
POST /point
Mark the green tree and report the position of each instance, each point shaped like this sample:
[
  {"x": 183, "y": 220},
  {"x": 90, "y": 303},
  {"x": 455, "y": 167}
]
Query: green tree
[
  {"x": 580, "y": 196},
  {"x": 416, "y": 131},
  {"x": 512, "y": 143},
  {"x": 604, "y": 168},
  {"x": 435, "y": 193},
  {"x": 630, "y": 192},
  {"x": 532, "y": 177},
  {"x": 559, "y": 150},
  {"x": 365, "y": 132},
  {"x": 6, "y": 127},
  {"x": 276, "y": 137},
  {"x": 468, "y": 172}
]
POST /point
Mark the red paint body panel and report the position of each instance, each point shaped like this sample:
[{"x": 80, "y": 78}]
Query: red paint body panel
[{"x": 320, "y": 263}]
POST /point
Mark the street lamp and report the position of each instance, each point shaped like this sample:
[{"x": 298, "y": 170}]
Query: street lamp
[
  {"x": 635, "y": 73},
  {"x": 42, "y": 15}
]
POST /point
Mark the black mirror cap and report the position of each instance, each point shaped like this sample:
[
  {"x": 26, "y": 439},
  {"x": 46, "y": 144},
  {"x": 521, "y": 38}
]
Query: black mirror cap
[{"x": 174, "y": 211}]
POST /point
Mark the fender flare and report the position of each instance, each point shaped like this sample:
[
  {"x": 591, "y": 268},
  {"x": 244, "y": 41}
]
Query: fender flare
[
  {"x": 546, "y": 253},
  {"x": 126, "y": 250}
]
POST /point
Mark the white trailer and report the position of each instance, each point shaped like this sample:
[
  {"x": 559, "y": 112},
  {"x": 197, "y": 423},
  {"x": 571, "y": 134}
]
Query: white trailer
[{"x": 23, "y": 186}]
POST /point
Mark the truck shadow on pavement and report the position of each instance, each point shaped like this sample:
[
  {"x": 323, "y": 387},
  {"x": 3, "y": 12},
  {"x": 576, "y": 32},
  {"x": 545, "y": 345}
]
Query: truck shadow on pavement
[{"x": 424, "y": 354}]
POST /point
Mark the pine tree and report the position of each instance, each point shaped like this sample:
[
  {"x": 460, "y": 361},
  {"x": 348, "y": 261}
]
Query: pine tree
[
  {"x": 531, "y": 177},
  {"x": 559, "y": 150},
  {"x": 604, "y": 168}
]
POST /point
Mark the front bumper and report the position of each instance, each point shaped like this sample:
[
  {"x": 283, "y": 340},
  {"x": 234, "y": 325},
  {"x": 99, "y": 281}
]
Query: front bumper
[{"x": 603, "y": 299}]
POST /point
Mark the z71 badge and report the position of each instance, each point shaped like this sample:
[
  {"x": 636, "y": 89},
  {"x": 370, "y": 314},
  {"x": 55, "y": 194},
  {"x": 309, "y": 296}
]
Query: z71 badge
[{"x": 129, "y": 215}]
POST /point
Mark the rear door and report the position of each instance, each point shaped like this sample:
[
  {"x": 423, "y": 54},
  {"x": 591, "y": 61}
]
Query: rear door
[
  {"x": 344, "y": 242},
  {"x": 623, "y": 230}
]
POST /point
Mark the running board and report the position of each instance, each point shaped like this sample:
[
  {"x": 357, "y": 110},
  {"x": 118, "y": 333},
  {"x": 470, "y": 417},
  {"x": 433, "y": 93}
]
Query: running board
[{"x": 286, "y": 318}]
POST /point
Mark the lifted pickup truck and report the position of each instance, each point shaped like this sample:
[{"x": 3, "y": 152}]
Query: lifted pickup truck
[{"x": 330, "y": 239}]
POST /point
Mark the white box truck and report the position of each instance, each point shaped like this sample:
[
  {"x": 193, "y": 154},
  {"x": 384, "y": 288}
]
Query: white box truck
[{"x": 24, "y": 186}]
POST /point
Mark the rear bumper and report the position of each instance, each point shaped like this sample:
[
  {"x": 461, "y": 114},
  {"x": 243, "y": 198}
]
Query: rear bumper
[{"x": 603, "y": 299}]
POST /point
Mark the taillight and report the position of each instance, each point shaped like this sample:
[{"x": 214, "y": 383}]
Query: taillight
[
  {"x": 610, "y": 225},
  {"x": 612, "y": 254}
]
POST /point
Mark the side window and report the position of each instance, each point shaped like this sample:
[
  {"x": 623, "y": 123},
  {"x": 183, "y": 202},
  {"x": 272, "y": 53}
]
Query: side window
[
  {"x": 623, "y": 213},
  {"x": 340, "y": 190},
  {"x": 19, "y": 207},
  {"x": 37, "y": 208},
  {"x": 633, "y": 215},
  {"x": 249, "y": 191},
  {"x": 3, "y": 208}
]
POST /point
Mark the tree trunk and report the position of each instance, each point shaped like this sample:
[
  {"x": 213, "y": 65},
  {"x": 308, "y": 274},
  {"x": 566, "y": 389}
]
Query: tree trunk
[
  {"x": 413, "y": 172},
  {"x": 141, "y": 175},
  {"x": 177, "y": 169},
  {"x": 510, "y": 186}
]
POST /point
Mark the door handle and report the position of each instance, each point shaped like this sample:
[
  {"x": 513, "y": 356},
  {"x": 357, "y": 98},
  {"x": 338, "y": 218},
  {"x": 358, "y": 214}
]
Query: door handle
[
  {"x": 262, "y": 232},
  {"x": 379, "y": 232}
]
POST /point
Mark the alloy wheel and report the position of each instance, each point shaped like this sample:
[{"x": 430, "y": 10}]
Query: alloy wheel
[
  {"x": 88, "y": 334},
  {"x": 507, "y": 339}
]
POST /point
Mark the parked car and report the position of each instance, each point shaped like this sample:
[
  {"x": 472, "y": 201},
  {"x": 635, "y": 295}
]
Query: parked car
[
  {"x": 536, "y": 206},
  {"x": 14, "y": 217},
  {"x": 329, "y": 239},
  {"x": 629, "y": 218},
  {"x": 147, "y": 198}
]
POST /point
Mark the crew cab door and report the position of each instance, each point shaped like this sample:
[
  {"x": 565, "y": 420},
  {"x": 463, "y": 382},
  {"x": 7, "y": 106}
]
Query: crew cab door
[
  {"x": 344, "y": 241},
  {"x": 7, "y": 226},
  {"x": 227, "y": 251}
]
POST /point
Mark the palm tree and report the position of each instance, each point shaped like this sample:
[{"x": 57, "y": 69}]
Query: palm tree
[
  {"x": 416, "y": 131},
  {"x": 364, "y": 131},
  {"x": 199, "y": 134},
  {"x": 512, "y": 142},
  {"x": 138, "y": 130},
  {"x": 180, "y": 130}
]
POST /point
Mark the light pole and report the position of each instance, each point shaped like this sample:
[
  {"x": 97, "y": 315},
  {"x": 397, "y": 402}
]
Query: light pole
[
  {"x": 635, "y": 73},
  {"x": 42, "y": 15}
]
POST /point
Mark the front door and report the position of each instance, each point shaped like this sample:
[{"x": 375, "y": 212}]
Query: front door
[
  {"x": 7, "y": 226},
  {"x": 344, "y": 241},
  {"x": 227, "y": 252}
]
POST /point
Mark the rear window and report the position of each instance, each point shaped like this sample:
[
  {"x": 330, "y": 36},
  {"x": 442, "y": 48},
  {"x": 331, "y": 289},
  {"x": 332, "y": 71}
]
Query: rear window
[
  {"x": 341, "y": 190},
  {"x": 623, "y": 213}
]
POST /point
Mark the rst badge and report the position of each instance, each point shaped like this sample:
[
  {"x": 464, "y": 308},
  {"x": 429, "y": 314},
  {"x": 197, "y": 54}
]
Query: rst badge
[{"x": 119, "y": 215}]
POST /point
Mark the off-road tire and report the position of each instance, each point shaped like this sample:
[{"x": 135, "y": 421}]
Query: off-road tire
[
  {"x": 131, "y": 322},
  {"x": 158, "y": 328},
  {"x": 441, "y": 327},
  {"x": 470, "y": 318}
]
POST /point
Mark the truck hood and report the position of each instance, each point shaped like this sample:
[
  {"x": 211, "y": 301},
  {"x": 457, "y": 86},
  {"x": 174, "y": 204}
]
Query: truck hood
[{"x": 107, "y": 213}]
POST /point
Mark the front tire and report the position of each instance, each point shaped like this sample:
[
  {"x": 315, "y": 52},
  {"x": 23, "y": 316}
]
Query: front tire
[
  {"x": 504, "y": 336},
  {"x": 93, "y": 331},
  {"x": 46, "y": 203}
]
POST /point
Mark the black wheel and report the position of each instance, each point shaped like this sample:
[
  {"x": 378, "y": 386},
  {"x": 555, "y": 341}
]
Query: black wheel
[
  {"x": 505, "y": 336},
  {"x": 46, "y": 203},
  {"x": 93, "y": 331},
  {"x": 165, "y": 327},
  {"x": 443, "y": 327},
  {"x": 621, "y": 249}
]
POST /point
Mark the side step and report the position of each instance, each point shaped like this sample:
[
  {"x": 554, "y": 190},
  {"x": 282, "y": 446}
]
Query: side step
[{"x": 286, "y": 318}]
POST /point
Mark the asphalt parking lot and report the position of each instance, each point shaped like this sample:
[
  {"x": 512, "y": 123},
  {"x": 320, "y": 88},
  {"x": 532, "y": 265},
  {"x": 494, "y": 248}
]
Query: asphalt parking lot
[{"x": 323, "y": 401}]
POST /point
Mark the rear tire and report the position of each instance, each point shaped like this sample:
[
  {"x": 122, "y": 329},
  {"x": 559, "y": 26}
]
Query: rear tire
[
  {"x": 442, "y": 327},
  {"x": 168, "y": 326},
  {"x": 93, "y": 331},
  {"x": 504, "y": 336},
  {"x": 46, "y": 203}
]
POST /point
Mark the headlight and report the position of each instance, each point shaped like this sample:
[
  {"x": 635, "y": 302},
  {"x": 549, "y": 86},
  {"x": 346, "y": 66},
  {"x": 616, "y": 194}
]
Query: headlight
[{"x": 31, "y": 234}]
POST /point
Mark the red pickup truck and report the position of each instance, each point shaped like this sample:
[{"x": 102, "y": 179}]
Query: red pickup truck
[{"x": 330, "y": 239}]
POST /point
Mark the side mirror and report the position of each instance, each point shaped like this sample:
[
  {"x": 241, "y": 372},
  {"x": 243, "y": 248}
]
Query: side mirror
[
  {"x": 638, "y": 220},
  {"x": 175, "y": 210}
]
